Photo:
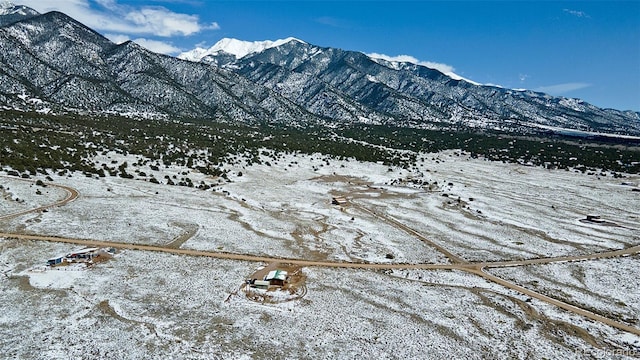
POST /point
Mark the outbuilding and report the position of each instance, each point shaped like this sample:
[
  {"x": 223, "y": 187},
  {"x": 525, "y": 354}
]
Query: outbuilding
[{"x": 261, "y": 284}]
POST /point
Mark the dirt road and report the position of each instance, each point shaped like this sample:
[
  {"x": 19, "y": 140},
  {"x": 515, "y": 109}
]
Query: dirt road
[
  {"x": 451, "y": 256},
  {"x": 223, "y": 255},
  {"x": 457, "y": 262},
  {"x": 538, "y": 261},
  {"x": 72, "y": 194},
  {"x": 556, "y": 302},
  {"x": 478, "y": 269}
]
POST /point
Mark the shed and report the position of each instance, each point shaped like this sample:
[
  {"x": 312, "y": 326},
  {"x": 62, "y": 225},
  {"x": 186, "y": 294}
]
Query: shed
[{"x": 261, "y": 284}]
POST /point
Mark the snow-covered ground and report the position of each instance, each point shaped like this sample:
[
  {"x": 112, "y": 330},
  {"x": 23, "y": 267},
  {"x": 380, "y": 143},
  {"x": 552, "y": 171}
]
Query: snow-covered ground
[
  {"x": 479, "y": 210},
  {"x": 19, "y": 195},
  {"x": 606, "y": 286},
  {"x": 150, "y": 305}
]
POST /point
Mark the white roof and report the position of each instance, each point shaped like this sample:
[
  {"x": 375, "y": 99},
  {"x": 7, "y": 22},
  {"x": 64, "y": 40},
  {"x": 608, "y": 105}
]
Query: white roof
[
  {"x": 277, "y": 275},
  {"x": 84, "y": 251}
]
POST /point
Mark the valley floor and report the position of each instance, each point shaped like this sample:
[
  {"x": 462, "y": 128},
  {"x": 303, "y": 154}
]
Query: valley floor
[{"x": 452, "y": 258}]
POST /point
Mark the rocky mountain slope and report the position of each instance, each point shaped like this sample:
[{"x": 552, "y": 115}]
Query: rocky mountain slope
[
  {"x": 10, "y": 13},
  {"x": 52, "y": 63},
  {"x": 345, "y": 85}
]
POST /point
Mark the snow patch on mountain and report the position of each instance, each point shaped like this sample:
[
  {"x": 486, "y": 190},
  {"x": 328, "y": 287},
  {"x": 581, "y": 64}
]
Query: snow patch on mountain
[
  {"x": 235, "y": 47},
  {"x": 373, "y": 79},
  {"x": 6, "y": 6},
  {"x": 575, "y": 104},
  {"x": 395, "y": 61},
  {"x": 9, "y": 8}
]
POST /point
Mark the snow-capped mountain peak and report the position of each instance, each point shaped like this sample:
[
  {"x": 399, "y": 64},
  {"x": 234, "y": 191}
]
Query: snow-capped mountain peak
[
  {"x": 54, "y": 63},
  {"x": 5, "y": 4},
  {"x": 237, "y": 48},
  {"x": 9, "y": 8}
]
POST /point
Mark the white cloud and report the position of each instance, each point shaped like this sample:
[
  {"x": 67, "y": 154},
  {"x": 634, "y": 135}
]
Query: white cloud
[
  {"x": 69, "y": 7},
  {"x": 443, "y": 68},
  {"x": 332, "y": 22},
  {"x": 117, "y": 38},
  {"x": 114, "y": 17},
  {"x": 160, "y": 21},
  {"x": 580, "y": 14},
  {"x": 559, "y": 89},
  {"x": 160, "y": 47},
  {"x": 157, "y": 46},
  {"x": 202, "y": 44}
]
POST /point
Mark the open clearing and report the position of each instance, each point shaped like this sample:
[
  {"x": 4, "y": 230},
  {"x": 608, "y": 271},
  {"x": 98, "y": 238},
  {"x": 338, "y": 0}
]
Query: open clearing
[{"x": 401, "y": 270}]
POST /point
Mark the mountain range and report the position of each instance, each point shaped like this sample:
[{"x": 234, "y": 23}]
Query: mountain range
[{"x": 52, "y": 63}]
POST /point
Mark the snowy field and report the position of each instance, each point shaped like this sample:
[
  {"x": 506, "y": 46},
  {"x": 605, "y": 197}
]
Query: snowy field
[
  {"x": 19, "y": 195},
  {"x": 151, "y": 305},
  {"x": 146, "y": 305},
  {"x": 607, "y": 286}
]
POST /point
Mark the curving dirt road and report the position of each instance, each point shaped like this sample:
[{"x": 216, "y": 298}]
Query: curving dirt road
[
  {"x": 457, "y": 262},
  {"x": 72, "y": 194}
]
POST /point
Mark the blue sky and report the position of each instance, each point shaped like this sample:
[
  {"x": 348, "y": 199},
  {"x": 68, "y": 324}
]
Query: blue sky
[{"x": 583, "y": 49}]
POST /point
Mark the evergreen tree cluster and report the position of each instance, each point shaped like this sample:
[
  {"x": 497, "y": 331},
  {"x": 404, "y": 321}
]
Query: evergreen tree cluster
[{"x": 32, "y": 143}]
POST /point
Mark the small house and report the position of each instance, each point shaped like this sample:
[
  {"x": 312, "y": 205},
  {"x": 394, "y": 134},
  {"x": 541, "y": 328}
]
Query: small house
[
  {"x": 276, "y": 277},
  {"x": 55, "y": 261},
  {"x": 338, "y": 200},
  {"x": 594, "y": 219},
  {"x": 88, "y": 253}
]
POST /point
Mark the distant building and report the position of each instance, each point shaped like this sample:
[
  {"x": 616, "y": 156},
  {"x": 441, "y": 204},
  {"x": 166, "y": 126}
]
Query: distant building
[
  {"x": 338, "y": 200},
  {"x": 260, "y": 284},
  {"x": 88, "y": 253},
  {"x": 56, "y": 260},
  {"x": 595, "y": 219},
  {"x": 83, "y": 256},
  {"x": 276, "y": 277}
]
